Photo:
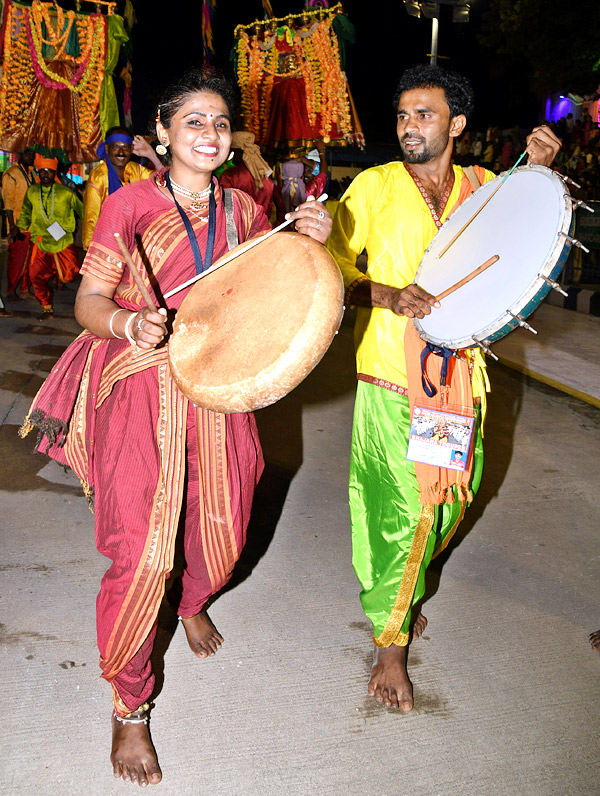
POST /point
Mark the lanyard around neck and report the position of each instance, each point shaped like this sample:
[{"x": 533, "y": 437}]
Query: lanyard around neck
[
  {"x": 212, "y": 223},
  {"x": 44, "y": 205}
]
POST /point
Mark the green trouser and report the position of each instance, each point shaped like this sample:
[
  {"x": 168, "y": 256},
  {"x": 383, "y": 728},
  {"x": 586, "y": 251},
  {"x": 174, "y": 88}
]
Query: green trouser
[{"x": 394, "y": 537}]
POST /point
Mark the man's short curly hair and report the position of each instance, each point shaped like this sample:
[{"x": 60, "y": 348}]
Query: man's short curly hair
[{"x": 457, "y": 88}]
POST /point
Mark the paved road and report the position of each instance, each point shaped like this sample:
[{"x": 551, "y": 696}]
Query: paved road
[{"x": 506, "y": 684}]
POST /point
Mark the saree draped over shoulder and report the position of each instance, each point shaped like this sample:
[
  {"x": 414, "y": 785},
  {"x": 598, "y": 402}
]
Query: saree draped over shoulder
[{"x": 153, "y": 463}]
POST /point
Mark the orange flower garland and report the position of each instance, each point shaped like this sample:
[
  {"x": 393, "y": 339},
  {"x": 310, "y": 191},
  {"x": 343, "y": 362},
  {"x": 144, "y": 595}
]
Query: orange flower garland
[{"x": 317, "y": 53}]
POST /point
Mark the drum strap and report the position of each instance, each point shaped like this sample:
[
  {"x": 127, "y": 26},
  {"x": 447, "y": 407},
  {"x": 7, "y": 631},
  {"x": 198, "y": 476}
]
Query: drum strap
[
  {"x": 232, "y": 234},
  {"x": 471, "y": 175}
]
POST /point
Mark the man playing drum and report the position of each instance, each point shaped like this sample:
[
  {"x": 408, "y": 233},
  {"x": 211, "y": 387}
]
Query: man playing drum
[{"x": 404, "y": 512}]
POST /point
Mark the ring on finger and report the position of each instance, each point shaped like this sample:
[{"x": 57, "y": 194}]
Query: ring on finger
[
  {"x": 319, "y": 225},
  {"x": 321, "y": 215},
  {"x": 139, "y": 323}
]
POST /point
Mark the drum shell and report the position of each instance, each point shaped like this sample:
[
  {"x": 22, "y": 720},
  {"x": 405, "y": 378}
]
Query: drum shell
[
  {"x": 250, "y": 332},
  {"x": 513, "y": 206}
]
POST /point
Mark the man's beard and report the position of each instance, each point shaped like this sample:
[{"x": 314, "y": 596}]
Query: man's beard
[{"x": 431, "y": 150}]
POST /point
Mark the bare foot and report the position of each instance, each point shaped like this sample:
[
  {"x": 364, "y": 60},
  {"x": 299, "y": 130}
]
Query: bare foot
[
  {"x": 202, "y": 635},
  {"x": 595, "y": 640},
  {"x": 419, "y": 626},
  {"x": 133, "y": 756},
  {"x": 389, "y": 682}
]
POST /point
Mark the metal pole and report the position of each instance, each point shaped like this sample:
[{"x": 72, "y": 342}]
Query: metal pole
[{"x": 434, "y": 35}]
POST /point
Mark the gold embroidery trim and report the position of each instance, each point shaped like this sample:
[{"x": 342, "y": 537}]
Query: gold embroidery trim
[
  {"x": 451, "y": 532},
  {"x": 392, "y": 632}
]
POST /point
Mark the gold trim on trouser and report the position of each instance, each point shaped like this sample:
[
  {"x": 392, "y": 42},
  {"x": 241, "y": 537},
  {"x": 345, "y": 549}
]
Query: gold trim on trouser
[
  {"x": 392, "y": 632},
  {"x": 451, "y": 532}
]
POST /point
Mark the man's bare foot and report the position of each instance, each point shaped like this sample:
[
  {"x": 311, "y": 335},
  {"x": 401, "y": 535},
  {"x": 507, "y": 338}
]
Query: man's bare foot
[
  {"x": 419, "y": 626},
  {"x": 133, "y": 756},
  {"x": 202, "y": 635},
  {"x": 595, "y": 640},
  {"x": 389, "y": 682}
]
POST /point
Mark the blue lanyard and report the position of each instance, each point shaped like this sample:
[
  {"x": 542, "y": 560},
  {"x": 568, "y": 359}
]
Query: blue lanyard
[{"x": 212, "y": 223}]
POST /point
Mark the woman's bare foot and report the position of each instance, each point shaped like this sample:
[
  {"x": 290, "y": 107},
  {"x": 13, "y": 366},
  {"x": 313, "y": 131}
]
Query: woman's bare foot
[
  {"x": 133, "y": 756},
  {"x": 419, "y": 626},
  {"x": 595, "y": 640},
  {"x": 389, "y": 682},
  {"x": 202, "y": 635}
]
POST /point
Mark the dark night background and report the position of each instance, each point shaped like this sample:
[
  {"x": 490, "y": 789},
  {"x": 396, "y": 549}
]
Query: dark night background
[
  {"x": 550, "y": 46},
  {"x": 387, "y": 41}
]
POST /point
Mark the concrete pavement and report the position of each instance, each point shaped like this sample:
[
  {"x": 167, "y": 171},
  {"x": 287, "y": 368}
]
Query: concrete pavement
[{"x": 506, "y": 685}]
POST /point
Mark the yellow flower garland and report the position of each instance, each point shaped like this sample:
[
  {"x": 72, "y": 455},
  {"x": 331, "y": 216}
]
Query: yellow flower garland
[{"x": 327, "y": 102}]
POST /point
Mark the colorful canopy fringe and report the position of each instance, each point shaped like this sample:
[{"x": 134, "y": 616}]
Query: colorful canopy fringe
[
  {"x": 56, "y": 92},
  {"x": 292, "y": 84}
]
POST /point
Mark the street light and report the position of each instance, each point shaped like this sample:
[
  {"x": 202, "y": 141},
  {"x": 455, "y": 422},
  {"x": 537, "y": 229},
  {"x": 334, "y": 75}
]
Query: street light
[{"x": 431, "y": 10}]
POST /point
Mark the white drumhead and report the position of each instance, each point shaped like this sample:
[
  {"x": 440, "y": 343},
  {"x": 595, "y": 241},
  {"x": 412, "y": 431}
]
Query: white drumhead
[{"x": 522, "y": 224}]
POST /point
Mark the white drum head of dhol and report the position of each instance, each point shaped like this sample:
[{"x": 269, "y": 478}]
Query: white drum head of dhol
[{"x": 525, "y": 223}]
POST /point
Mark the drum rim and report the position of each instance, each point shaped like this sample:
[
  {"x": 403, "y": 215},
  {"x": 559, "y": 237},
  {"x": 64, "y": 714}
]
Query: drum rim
[{"x": 538, "y": 288}]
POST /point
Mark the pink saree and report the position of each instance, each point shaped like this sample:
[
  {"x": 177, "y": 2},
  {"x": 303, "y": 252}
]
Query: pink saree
[{"x": 153, "y": 463}]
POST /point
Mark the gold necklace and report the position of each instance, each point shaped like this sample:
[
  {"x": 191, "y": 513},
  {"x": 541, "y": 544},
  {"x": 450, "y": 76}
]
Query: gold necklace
[{"x": 195, "y": 196}]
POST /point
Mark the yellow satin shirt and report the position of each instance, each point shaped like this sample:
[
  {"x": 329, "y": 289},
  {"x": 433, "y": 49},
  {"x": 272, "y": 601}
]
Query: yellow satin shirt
[
  {"x": 384, "y": 212},
  {"x": 96, "y": 192}
]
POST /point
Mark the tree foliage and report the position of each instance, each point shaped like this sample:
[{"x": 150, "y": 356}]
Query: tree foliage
[{"x": 554, "y": 43}]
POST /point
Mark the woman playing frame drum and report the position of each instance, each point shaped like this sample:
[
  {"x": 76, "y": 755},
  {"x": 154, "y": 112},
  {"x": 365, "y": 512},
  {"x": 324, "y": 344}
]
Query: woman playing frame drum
[{"x": 157, "y": 466}]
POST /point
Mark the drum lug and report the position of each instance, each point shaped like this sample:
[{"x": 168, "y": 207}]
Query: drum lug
[
  {"x": 485, "y": 348},
  {"x": 567, "y": 179},
  {"x": 579, "y": 203},
  {"x": 554, "y": 285},
  {"x": 522, "y": 322},
  {"x": 573, "y": 242}
]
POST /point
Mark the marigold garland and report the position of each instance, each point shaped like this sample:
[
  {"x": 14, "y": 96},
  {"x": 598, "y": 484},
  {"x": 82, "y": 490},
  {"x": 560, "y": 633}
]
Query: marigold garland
[
  {"x": 317, "y": 53},
  {"x": 24, "y": 62}
]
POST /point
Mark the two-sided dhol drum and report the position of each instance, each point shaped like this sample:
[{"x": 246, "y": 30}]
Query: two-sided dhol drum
[
  {"x": 528, "y": 224},
  {"x": 250, "y": 332}
]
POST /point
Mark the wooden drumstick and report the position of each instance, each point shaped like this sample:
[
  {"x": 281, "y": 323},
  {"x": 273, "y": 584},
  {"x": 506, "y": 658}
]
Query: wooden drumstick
[
  {"x": 468, "y": 277},
  {"x": 474, "y": 216},
  {"x": 226, "y": 260},
  {"x": 136, "y": 274}
]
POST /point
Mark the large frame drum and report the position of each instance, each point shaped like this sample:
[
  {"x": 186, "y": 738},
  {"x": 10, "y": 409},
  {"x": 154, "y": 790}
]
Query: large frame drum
[
  {"x": 250, "y": 332},
  {"x": 528, "y": 223}
]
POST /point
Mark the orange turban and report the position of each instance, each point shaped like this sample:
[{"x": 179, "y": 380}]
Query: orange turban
[{"x": 42, "y": 162}]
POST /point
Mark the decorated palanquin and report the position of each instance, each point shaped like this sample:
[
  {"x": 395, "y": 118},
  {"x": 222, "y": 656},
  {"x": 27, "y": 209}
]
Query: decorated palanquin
[
  {"x": 292, "y": 83},
  {"x": 56, "y": 93}
]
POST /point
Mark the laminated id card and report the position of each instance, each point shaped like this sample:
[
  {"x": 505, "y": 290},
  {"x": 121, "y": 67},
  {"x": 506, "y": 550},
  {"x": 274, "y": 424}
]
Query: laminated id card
[
  {"x": 56, "y": 231},
  {"x": 440, "y": 438}
]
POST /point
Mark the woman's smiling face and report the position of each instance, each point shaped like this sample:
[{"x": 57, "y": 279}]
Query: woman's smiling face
[{"x": 199, "y": 135}]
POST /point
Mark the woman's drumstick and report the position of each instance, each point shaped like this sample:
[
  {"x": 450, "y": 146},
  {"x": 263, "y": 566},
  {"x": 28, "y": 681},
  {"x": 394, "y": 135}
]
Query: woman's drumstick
[
  {"x": 468, "y": 277},
  {"x": 226, "y": 260},
  {"x": 135, "y": 274},
  {"x": 474, "y": 216}
]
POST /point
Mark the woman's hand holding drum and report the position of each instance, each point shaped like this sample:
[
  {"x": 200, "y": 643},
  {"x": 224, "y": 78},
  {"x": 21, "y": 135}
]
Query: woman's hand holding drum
[
  {"x": 149, "y": 329},
  {"x": 313, "y": 219}
]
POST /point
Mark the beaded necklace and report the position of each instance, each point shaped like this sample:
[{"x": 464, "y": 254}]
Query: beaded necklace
[{"x": 196, "y": 204}]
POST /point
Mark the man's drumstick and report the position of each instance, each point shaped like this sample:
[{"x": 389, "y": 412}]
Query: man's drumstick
[
  {"x": 468, "y": 277},
  {"x": 226, "y": 260},
  {"x": 474, "y": 216},
  {"x": 136, "y": 274}
]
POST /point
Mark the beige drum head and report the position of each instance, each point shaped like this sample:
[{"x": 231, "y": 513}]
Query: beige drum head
[{"x": 250, "y": 332}]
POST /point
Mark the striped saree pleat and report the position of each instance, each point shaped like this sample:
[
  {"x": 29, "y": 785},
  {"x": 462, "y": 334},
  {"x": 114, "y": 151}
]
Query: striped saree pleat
[
  {"x": 139, "y": 609},
  {"x": 216, "y": 523}
]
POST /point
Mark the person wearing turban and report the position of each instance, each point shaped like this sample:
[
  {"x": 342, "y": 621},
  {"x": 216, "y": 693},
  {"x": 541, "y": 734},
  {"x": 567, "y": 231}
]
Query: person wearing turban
[
  {"x": 15, "y": 182},
  {"x": 49, "y": 215},
  {"x": 250, "y": 172},
  {"x": 117, "y": 169}
]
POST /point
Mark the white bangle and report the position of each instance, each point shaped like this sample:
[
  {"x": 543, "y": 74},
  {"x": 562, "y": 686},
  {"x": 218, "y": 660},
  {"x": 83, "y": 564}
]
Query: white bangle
[
  {"x": 110, "y": 323},
  {"x": 127, "y": 330}
]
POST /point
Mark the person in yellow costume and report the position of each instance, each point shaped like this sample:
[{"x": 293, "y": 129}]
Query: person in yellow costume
[
  {"x": 116, "y": 170},
  {"x": 403, "y": 512}
]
